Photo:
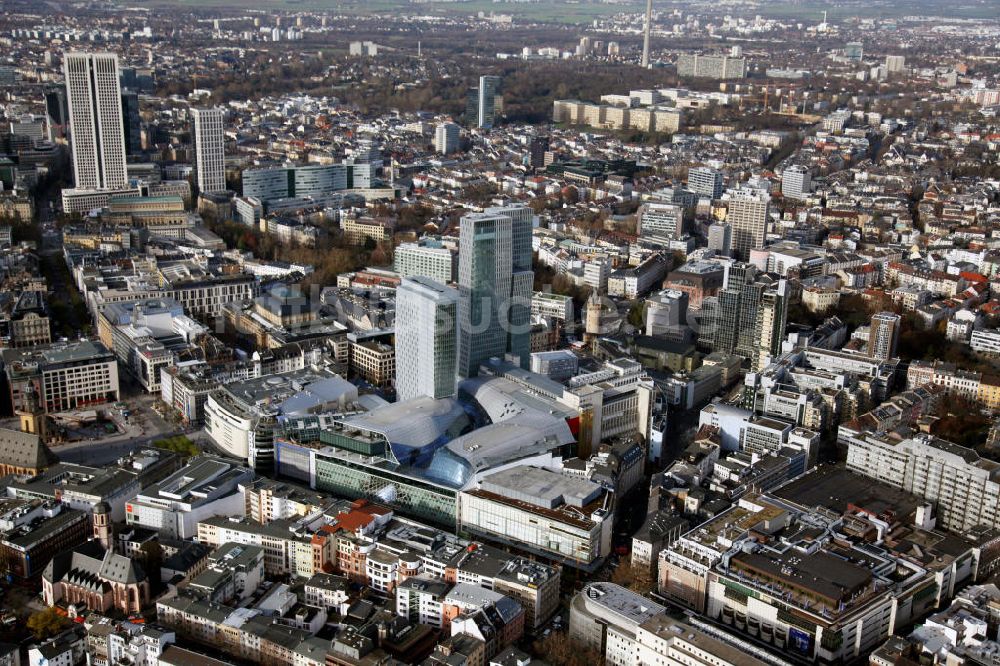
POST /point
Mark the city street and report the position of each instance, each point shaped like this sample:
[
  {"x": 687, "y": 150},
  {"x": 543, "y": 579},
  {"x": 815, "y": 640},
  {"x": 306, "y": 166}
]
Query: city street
[{"x": 105, "y": 453}]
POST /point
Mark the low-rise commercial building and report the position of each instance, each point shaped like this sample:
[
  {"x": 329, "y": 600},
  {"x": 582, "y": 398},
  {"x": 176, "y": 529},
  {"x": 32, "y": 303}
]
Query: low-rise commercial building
[
  {"x": 33, "y": 532},
  {"x": 205, "y": 487},
  {"x": 64, "y": 375},
  {"x": 560, "y": 518},
  {"x": 606, "y": 617}
]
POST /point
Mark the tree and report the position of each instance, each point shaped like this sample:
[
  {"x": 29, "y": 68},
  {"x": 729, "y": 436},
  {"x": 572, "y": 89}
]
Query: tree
[
  {"x": 853, "y": 310},
  {"x": 622, "y": 574},
  {"x": 637, "y": 315},
  {"x": 538, "y": 204},
  {"x": 47, "y": 623},
  {"x": 961, "y": 421},
  {"x": 559, "y": 650},
  {"x": 633, "y": 578},
  {"x": 381, "y": 255}
]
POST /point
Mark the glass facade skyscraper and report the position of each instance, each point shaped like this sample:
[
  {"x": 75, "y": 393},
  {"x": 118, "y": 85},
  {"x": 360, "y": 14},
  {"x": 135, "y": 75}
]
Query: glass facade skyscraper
[
  {"x": 495, "y": 280},
  {"x": 269, "y": 183},
  {"x": 132, "y": 122},
  {"x": 426, "y": 339},
  {"x": 488, "y": 86},
  {"x": 747, "y": 317}
]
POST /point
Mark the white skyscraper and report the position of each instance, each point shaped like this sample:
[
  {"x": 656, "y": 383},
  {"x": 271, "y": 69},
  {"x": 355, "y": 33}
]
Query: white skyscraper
[
  {"x": 772, "y": 318},
  {"x": 661, "y": 221},
  {"x": 94, "y": 97},
  {"x": 720, "y": 238},
  {"x": 748, "y": 213},
  {"x": 446, "y": 138},
  {"x": 426, "y": 339},
  {"x": 796, "y": 182},
  {"x": 705, "y": 181},
  {"x": 895, "y": 63},
  {"x": 209, "y": 147}
]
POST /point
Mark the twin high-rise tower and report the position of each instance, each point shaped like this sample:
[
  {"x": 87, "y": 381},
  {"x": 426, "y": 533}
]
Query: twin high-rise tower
[
  {"x": 94, "y": 98},
  {"x": 100, "y": 138},
  {"x": 748, "y": 316}
]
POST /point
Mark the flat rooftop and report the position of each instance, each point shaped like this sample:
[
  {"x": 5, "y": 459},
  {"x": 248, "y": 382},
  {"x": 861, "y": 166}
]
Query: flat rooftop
[
  {"x": 202, "y": 479},
  {"x": 820, "y": 574},
  {"x": 834, "y": 487},
  {"x": 666, "y": 626},
  {"x": 60, "y": 352},
  {"x": 542, "y": 487},
  {"x": 699, "y": 268},
  {"x": 314, "y": 386},
  {"x": 722, "y": 530},
  {"x": 548, "y": 296}
]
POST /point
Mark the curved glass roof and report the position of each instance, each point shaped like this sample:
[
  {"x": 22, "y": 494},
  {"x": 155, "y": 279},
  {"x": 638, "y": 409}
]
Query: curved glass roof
[{"x": 415, "y": 428}]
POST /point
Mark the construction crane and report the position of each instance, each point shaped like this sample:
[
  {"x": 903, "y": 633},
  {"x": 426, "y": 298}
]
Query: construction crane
[{"x": 765, "y": 99}]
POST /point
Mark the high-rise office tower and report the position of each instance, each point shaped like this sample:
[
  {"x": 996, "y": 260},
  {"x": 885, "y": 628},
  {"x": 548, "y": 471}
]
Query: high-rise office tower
[
  {"x": 472, "y": 107},
  {"x": 539, "y": 146},
  {"x": 368, "y": 151},
  {"x": 747, "y": 215},
  {"x": 749, "y": 300},
  {"x": 854, "y": 51},
  {"x": 727, "y": 308},
  {"x": 209, "y": 150},
  {"x": 705, "y": 181},
  {"x": 659, "y": 221},
  {"x": 711, "y": 66},
  {"x": 769, "y": 328},
  {"x": 128, "y": 77},
  {"x": 796, "y": 182},
  {"x": 488, "y": 86},
  {"x": 56, "y": 107},
  {"x": 883, "y": 337},
  {"x": 131, "y": 122},
  {"x": 426, "y": 339},
  {"x": 95, "y": 118},
  {"x": 57, "y": 111},
  {"x": 720, "y": 238},
  {"x": 895, "y": 63},
  {"x": 495, "y": 279},
  {"x": 748, "y": 317},
  {"x": 446, "y": 138}
]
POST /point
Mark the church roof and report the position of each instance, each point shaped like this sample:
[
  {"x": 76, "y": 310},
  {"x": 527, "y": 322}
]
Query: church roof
[
  {"x": 89, "y": 565},
  {"x": 23, "y": 449}
]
